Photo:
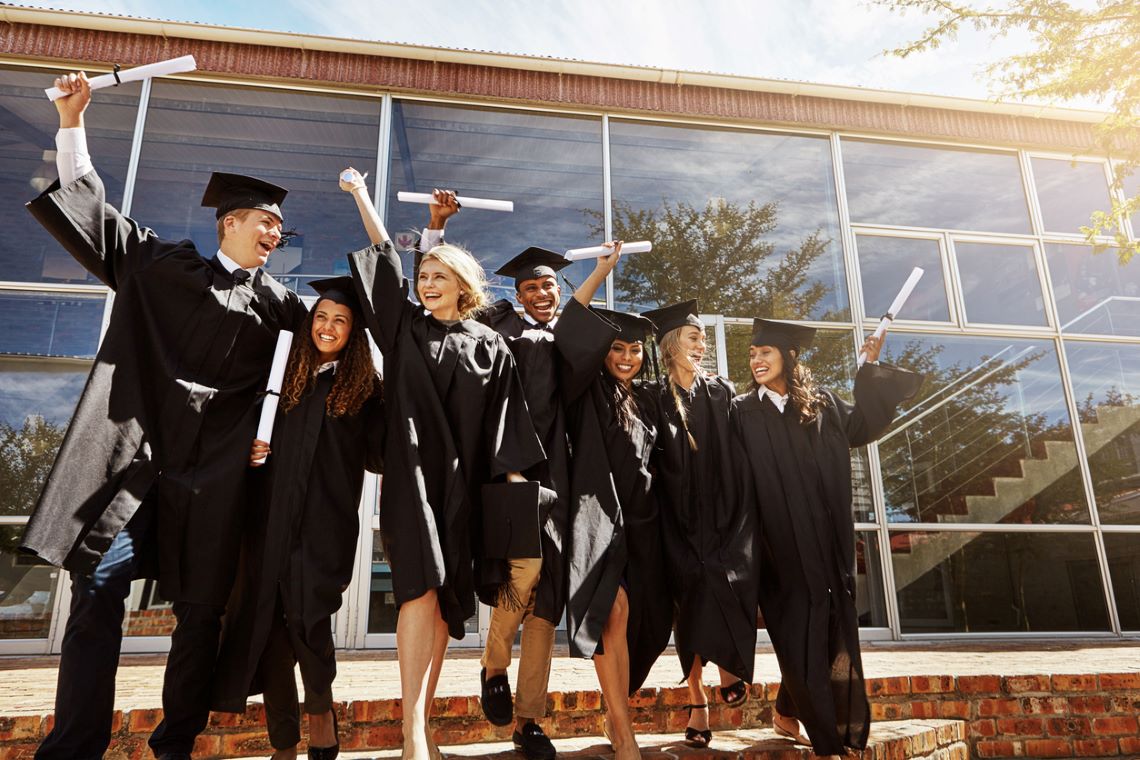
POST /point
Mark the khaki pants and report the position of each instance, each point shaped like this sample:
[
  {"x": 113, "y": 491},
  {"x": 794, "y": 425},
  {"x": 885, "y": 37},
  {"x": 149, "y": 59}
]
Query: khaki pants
[{"x": 537, "y": 642}]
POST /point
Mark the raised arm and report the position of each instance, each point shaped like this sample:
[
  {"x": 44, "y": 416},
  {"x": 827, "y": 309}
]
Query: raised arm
[
  {"x": 586, "y": 291},
  {"x": 352, "y": 182}
]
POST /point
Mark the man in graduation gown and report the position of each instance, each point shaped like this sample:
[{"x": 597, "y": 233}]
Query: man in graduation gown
[
  {"x": 799, "y": 481},
  {"x": 155, "y": 457},
  {"x": 537, "y": 587}
]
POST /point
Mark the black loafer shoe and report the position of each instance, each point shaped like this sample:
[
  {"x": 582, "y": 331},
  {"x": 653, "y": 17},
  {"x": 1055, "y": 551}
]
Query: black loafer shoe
[
  {"x": 496, "y": 699},
  {"x": 533, "y": 743}
]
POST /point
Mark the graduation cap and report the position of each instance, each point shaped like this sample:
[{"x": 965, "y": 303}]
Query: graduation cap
[
  {"x": 632, "y": 328},
  {"x": 229, "y": 192},
  {"x": 533, "y": 263},
  {"x": 338, "y": 290},
  {"x": 785, "y": 335},
  {"x": 676, "y": 315}
]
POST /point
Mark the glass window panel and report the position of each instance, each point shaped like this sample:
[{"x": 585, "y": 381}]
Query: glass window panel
[
  {"x": 27, "y": 590},
  {"x": 300, "y": 141},
  {"x": 1106, "y": 386},
  {"x": 37, "y": 398},
  {"x": 1095, "y": 292},
  {"x": 746, "y": 222},
  {"x": 885, "y": 263},
  {"x": 1123, "y": 551},
  {"x": 549, "y": 165},
  {"x": 382, "y": 613},
  {"x": 50, "y": 324},
  {"x": 870, "y": 598},
  {"x": 1000, "y": 284},
  {"x": 1132, "y": 190},
  {"x": 988, "y": 439},
  {"x": 1069, "y": 191},
  {"x": 148, "y": 614},
  {"x": 997, "y": 582},
  {"x": 940, "y": 187},
  {"x": 28, "y": 123}
]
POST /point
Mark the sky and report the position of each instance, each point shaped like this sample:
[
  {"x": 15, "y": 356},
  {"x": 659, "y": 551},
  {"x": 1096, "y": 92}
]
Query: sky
[{"x": 822, "y": 41}]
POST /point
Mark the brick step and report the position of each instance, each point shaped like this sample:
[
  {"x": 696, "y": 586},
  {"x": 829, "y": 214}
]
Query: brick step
[{"x": 898, "y": 740}]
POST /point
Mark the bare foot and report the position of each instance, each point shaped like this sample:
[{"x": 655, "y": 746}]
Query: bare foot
[
  {"x": 790, "y": 728},
  {"x": 699, "y": 717},
  {"x": 321, "y": 733},
  {"x": 417, "y": 744}
]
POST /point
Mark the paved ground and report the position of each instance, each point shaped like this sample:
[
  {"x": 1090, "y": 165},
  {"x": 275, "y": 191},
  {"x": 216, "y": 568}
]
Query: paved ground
[{"x": 29, "y": 682}]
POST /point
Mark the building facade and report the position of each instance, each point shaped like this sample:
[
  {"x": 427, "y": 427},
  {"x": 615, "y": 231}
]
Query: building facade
[{"x": 1004, "y": 501}]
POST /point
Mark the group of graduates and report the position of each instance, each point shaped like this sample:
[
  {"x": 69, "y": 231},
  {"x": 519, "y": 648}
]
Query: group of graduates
[{"x": 529, "y": 461}]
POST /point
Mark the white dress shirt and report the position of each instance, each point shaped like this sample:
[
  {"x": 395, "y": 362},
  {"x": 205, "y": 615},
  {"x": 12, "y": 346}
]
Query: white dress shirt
[
  {"x": 72, "y": 160},
  {"x": 775, "y": 398}
]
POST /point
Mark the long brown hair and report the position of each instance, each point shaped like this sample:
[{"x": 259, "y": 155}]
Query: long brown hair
[
  {"x": 802, "y": 393},
  {"x": 356, "y": 379}
]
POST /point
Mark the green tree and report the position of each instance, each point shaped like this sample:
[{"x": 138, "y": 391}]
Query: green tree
[
  {"x": 1079, "y": 52},
  {"x": 26, "y": 455}
]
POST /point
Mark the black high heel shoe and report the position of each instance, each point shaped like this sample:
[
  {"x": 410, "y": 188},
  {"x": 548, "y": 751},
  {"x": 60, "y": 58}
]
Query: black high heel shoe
[
  {"x": 327, "y": 753},
  {"x": 695, "y": 738},
  {"x": 734, "y": 694}
]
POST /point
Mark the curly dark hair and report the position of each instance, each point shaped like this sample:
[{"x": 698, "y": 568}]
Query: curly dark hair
[
  {"x": 807, "y": 400},
  {"x": 356, "y": 379}
]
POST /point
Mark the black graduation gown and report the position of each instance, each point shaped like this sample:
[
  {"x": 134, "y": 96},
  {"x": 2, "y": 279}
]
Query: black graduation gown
[
  {"x": 456, "y": 419},
  {"x": 615, "y": 533},
  {"x": 302, "y": 537},
  {"x": 536, "y": 358},
  {"x": 169, "y": 403},
  {"x": 707, "y": 530},
  {"x": 800, "y": 483}
]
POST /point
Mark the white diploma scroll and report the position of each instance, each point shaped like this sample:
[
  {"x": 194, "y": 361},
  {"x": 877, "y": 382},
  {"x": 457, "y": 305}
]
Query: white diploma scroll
[
  {"x": 273, "y": 387},
  {"x": 896, "y": 307},
  {"x": 481, "y": 203},
  {"x": 597, "y": 251},
  {"x": 138, "y": 73}
]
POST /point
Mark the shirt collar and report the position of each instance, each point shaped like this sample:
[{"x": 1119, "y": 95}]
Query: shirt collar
[
  {"x": 540, "y": 325},
  {"x": 232, "y": 266},
  {"x": 327, "y": 366},
  {"x": 779, "y": 401}
]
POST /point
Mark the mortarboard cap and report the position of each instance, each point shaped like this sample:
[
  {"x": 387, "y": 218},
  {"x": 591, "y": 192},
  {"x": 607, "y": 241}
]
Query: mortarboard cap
[
  {"x": 676, "y": 315},
  {"x": 229, "y": 192},
  {"x": 785, "y": 335},
  {"x": 338, "y": 290},
  {"x": 632, "y": 328},
  {"x": 533, "y": 263}
]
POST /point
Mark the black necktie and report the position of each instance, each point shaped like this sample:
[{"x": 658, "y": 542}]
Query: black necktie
[{"x": 241, "y": 276}]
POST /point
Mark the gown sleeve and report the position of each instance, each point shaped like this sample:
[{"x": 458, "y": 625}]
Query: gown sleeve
[
  {"x": 382, "y": 292},
  {"x": 512, "y": 444},
  {"x": 107, "y": 244},
  {"x": 583, "y": 338},
  {"x": 879, "y": 389}
]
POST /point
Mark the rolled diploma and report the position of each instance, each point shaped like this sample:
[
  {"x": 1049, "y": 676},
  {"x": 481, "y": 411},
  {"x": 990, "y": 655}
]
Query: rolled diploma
[
  {"x": 896, "y": 307},
  {"x": 481, "y": 203},
  {"x": 273, "y": 387},
  {"x": 593, "y": 252},
  {"x": 146, "y": 71}
]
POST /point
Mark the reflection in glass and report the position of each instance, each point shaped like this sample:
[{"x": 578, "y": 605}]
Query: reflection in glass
[
  {"x": 987, "y": 440},
  {"x": 925, "y": 186},
  {"x": 1069, "y": 191},
  {"x": 870, "y": 599},
  {"x": 1095, "y": 293},
  {"x": 28, "y": 124},
  {"x": 884, "y": 264},
  {"x": 148, "y": 614},
  {"x": 300, "y": 141},
  {"x": 50, "y": 324},
  {"x": 27, "y": 590},
  {"x": 746, "y": 222},
  {"x": 1106, "y": 387},
  {"x": 997, "y": 582},
  {"x": 549, "y": 165},
  {"x": 1123, "y": 550},
  {"x": 1000, "y": 284},
  {"x": 1132, "y": 190}
]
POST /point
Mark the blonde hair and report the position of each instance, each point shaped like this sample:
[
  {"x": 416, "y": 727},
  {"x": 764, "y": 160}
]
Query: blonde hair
[
  {"x": 472, "y": 280},
  {"x": 672, "y": 353}
]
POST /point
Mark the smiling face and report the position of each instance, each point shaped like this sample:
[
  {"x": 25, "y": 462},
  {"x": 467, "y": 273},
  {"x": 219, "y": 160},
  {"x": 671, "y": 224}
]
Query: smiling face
[
  {"x": 691, "y": 343},
  {"x": 623, "y": 361},
  {"x": 332, "y": 327},
  {"x": 249, "y": 238},
  {"x": 767, "y": 364},
  {"x": 438, "y": 289},
  {"x": 539, "y": 298}
]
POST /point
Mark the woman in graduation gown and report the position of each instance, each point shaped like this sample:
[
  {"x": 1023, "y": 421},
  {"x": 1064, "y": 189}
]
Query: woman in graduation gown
[
  {"x": 456, "y": 420},
  {"x": 796, "y": 441},
  {"x": 708, "y": 532},
  {"x": 618, "y": 611}
]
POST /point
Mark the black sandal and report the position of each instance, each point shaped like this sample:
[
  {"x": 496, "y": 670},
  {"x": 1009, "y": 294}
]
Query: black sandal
[
  {"x": 694, "y": 738},
  {"x": 734, "y": 694}
]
